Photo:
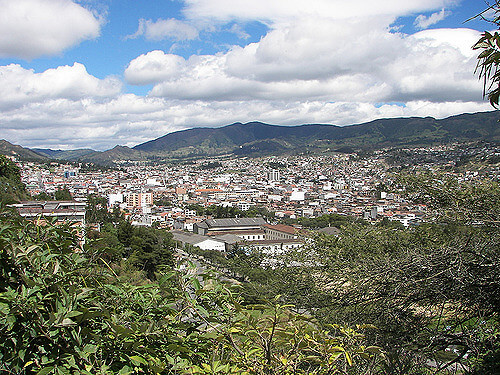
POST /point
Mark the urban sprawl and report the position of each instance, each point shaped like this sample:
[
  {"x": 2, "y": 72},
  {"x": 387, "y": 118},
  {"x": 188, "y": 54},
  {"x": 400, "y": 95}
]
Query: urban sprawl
[{"x": 286, "y": 188}]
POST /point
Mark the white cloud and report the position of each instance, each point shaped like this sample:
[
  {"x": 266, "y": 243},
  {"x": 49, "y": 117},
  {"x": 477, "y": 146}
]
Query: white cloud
[
  {"x": 239, "y": 31},
  {"x": 34, "y": 28},
  {"x": 437, "y": 67},
  {"x": 165, "y": 29},
  {"x": 130, "y": 120},
  {"x": 278, "y": 11},
  {"x": 323, "y": 60},
  {"x": 19, "y": 86},
  {"x": 155, "y": 66},
  {"x": 423, "y": 22}
]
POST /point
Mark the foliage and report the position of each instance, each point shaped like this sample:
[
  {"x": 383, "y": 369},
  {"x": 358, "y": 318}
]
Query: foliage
[
  {"x": 63, "y": 312},
  {"x": 43, "y": 196},
  {"x": 431, "y": 290},
  {"x": 144, "y": 249},
  {"x": 63, "y": 194},
  {"x": 97, "y": 211},
  {"x": 221, "y": 212},
  {"x": 150, "y": 249},
  {"x": 329, "y": 220},
  {"x": 11, "y": 187},
  {"x": 489, "y": 58},
  {"x": 162, "y": 201}
]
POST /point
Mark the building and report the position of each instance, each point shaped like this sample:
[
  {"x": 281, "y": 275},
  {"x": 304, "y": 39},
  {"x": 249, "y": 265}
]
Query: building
[
  {"x": 280, "y": 232},
  {"x": 203, "y": 242},
  {"x": 273, "y": 175},
  {"x": 210, "y": 226},
  {"x": 139, "y": 199},
  {"x": 61, "y": 211}
]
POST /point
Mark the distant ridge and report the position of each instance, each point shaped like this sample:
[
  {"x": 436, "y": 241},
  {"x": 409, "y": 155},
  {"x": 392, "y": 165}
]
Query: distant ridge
[
  {"x": 9, "y": 149},
  {"x": 257, "y": 139},
  {"x": 64, "y": 154}
]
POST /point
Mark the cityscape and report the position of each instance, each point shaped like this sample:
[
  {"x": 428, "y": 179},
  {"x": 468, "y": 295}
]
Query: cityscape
[
  {"x": 282, "y": 188},
  {"x": 221, "y": 187}
]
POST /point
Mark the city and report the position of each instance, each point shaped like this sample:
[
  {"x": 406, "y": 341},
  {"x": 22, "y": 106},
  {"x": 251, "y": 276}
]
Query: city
[{"x": 283, "y": 189}]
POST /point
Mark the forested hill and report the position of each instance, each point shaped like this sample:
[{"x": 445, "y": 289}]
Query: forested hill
[{"x": 258, "y": 138}]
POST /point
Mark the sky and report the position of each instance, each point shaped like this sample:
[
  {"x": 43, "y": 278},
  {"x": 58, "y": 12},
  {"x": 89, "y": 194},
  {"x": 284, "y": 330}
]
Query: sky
[{"x": 100, "y": 73}]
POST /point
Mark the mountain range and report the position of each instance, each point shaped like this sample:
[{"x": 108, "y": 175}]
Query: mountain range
[{"x": 256, "y": 138}]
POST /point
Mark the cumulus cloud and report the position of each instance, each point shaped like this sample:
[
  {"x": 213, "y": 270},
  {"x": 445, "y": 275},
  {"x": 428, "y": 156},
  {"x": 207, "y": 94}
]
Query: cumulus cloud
[
  {"x": 423, "y": 22},
  {"x": 153, "y": 67},
  {"x": 323, "y": 60},
  {"x": 278, "y": 11},
  {"x": 19, "y": 86},
  {"x": 34, "y": 28},
  {"x": 130, "y": 120},
  {"x": 165, "y": 29}
]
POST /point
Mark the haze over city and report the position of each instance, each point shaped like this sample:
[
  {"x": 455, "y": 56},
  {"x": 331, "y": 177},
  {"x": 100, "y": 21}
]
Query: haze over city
[{"x": 96, "y": 73}]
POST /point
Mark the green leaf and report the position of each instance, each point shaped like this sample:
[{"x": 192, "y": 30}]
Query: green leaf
[
  {"x": 348, "y": 358},
  {"x": 89, "y": 348},
  {"x": 45, "y": 370},
  {"x": 136, "y": 360}
]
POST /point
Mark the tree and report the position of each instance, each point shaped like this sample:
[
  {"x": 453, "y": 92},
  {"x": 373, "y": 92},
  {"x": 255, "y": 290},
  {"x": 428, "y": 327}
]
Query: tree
[
  {"x": 43, "y": 196},
  {"x": 62, "y": 312},
  {"x": 97, "y": 211},
  {"x": 489, "y": 58},
  {"x": 63, "y": 194},
  {"x": 11, "y": 187}
]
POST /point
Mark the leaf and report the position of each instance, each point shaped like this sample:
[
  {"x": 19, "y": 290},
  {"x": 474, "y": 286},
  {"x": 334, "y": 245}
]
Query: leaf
[
  {"x": 56, "y": 267},
  {"x": 89, "y": 348},
  {"x": 45, "y": 370},
  {"x": 136, "y": 360},
  {"x": 334, "y": 357},
  {"x": 125, "y": 370},
  {"x": 72, "y": 314},
  {"x": 348, "y": 358},
  {"x": 196, "y": 284},
  {"x": 373, "y": 349}
]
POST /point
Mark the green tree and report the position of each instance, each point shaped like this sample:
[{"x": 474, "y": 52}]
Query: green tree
[
  {"x": 11, "y": 187},
  {"x": 63, "y": 194},
  {"x": 62, "y": 312},
  {"x": 43, "y": 196},
  {"x": 97, "y": 210},
  {"x": 151, "y": 249}
]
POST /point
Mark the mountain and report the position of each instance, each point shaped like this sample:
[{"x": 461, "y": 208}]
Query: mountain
[
  {"x": 7, "y": 148},
  {"x": 256, "y": 138},
  {"x": 116, "y": 153},
  {"x": 64, "y": 154}
]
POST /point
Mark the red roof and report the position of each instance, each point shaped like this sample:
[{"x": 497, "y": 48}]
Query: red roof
[{"x": 282, "y": 228}]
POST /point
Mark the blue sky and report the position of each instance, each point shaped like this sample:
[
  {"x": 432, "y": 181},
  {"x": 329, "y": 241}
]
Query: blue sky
[{"x": 96, "y": 73}]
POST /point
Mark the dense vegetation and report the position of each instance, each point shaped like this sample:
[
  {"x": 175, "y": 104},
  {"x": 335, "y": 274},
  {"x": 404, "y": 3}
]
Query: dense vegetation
[
  {"x": 221, "y": 212},
  {"x": 63, "y": 310},
  {"x": 431, "y": 291},
  {"x": 11, "y": 187}
]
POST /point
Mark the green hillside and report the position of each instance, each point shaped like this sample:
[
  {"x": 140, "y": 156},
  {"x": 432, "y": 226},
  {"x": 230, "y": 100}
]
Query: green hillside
[{"x": 259, "y": 138}]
